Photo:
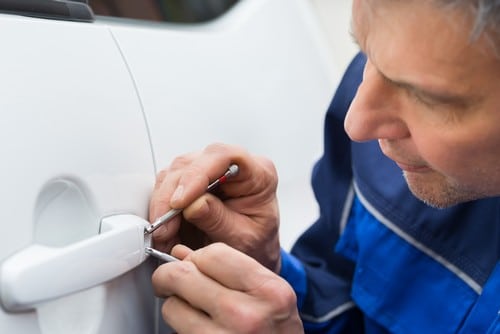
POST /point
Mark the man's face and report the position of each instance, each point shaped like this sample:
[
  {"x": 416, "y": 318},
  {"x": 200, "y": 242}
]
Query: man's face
[{"x": 431, "y": 98}]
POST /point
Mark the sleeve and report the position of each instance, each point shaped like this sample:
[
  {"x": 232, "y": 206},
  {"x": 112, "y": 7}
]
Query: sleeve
[{"x": 320, "y": 277}]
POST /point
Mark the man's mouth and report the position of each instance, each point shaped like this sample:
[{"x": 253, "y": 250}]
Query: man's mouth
[{"x": 413, "y": 168}]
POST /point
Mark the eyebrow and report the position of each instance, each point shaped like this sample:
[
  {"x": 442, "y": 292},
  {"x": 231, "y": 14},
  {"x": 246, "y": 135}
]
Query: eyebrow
[{"x": 432, "y": 95}]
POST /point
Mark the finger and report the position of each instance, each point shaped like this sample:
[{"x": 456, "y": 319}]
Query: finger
[
  {"x": 181, "y": 251},
  {"x": 190, "y": 168},
  {"x": 231, "y": 267},
  {"x": 165, "y": 237},
  {"x": 217, "y": 303},
  {"x": 214, "y": 217},
  {"x": 256, "y": 292},
  {"x": 210, "y": 165},
  {"x": 185, "y": 281},
  {"x": 194, "y": 172},
  {"x": 165, "y": 184},
  {"x": 162, "y": 192},
  {"x": 238, "y": 223},
  {"x": 257, "y": 176},
  {"x": 212, "y": 207},
  {"x": 159, "y": 205},
  {"x": 184, "y": 318}
]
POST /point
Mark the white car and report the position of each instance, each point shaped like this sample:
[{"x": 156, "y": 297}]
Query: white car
[{"x": 93, "y": 106}]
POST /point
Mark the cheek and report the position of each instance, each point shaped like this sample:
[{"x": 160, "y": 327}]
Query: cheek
[
  {"x": 442, "y": 156},
  {"x": 458, "y": 156}
]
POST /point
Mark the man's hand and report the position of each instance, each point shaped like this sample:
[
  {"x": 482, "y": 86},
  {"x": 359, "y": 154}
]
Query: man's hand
[
  {"x": 242, "y": 213},
  {"x": 217, "y": 289}
]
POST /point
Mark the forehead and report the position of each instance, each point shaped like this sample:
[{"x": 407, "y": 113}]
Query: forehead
[{"x": 423, "y": 41}]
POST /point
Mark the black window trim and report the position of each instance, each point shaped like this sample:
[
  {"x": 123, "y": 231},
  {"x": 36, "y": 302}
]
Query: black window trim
[{"x": 49, "y": 9}]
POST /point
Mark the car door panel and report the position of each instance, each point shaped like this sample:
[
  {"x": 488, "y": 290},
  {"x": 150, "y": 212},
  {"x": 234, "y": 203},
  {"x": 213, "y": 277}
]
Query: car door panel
[
  {"x": 75, "y": 150},
  {"x": 84, "y": 105}
]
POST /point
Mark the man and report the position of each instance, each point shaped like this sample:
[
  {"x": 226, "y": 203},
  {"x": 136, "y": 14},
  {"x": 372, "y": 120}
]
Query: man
[{"x": 408, "y": 238}]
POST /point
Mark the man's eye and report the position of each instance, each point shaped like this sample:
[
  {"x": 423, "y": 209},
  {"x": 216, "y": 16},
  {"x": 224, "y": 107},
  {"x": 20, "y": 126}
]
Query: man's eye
[{"x": 414, "y": 95}]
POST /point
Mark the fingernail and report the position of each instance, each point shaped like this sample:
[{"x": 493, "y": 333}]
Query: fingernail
[{"x": 177, "y": 195}]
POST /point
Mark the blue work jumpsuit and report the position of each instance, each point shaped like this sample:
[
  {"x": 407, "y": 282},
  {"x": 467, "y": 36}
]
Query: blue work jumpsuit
[{"x": 378, "y": 260}]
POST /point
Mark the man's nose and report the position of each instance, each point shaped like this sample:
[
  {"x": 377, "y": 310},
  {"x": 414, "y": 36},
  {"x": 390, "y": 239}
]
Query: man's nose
[{"x": 375, "y": 112}]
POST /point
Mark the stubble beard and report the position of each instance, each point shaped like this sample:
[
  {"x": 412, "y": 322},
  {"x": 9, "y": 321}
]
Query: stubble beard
[{"x": 437, "y": 191}]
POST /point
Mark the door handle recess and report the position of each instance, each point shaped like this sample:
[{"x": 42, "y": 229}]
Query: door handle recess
[{"x": 40, "y": 273}]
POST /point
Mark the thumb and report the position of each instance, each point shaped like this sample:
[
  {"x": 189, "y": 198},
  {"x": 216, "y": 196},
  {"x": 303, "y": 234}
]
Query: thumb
[
  {"x": 209, "y": 214},
  {"x": 181, "y": 251}
]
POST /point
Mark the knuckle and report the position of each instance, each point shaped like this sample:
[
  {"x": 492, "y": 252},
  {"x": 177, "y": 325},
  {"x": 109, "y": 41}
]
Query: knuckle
[
  {"x": 182, "y": 269},
  {"x": 216, "y": 148},
  {"x": 211, "y": 253},
  {"x": 248, "y": 241},
  {"x": 170, "y": 308},
  {"x": 171, "y": 272},
  {"x": 157, "y": 277},
  {"x": 267, "y": 165},
  {"x": 168, "y": 305},
  {"x": 160, "y": 176},
  {"x": 284, "y": 300},
  {"x": 248, "y": 318},
  {"x": 215, "y": 217},
  {"x": 157, "y": 206},
  {"x": 267, "y": 176},
  {"x": 180, "y": 162},
  {"x": 216, "y": 250},
  {"x": 223, "y": 150},
  {"x": 251, "y": 326}
]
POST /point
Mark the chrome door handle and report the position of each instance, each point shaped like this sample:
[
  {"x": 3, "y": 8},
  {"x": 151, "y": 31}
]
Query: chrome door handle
[{"x": 40, "y": 273}]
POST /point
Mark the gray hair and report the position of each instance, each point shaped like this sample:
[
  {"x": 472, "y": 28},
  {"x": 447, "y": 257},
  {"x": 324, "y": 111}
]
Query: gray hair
[{"x": 486, "y": 15}]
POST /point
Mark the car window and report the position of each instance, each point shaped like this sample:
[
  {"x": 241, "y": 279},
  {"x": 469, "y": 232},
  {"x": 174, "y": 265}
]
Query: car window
[{"x": 178, "y": 11}]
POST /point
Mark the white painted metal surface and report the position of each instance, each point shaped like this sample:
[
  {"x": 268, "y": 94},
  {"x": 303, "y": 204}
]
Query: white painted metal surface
[{"x": 74, "y": 149}]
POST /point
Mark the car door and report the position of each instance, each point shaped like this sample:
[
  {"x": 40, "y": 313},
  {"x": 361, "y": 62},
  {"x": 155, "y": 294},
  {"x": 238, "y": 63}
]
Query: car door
[
  {"x": 76, "y": 174},
  {"x": 80, "y": 102}
]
